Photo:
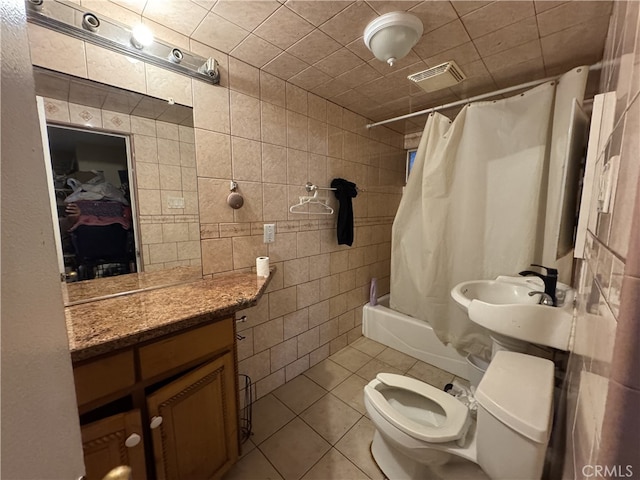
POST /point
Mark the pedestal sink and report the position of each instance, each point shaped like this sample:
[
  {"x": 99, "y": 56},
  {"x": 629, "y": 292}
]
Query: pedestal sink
[{"x": 505, "y": 307}]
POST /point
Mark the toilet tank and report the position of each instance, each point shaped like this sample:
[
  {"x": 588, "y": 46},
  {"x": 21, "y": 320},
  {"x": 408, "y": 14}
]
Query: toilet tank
[{"x": 515, "y": 411}]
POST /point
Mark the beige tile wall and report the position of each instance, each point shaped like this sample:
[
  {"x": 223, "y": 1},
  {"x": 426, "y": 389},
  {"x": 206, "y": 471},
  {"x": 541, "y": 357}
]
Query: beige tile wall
[
  {"x": 164, "y": 166},
  {"x": 600, "y": 275},
  {"x": 271, "y": 137}
]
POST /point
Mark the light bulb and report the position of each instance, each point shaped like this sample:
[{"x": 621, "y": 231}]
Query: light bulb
[{"x": 141, "y": 36}]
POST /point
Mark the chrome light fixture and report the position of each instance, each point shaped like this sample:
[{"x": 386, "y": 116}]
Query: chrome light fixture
[
  {"x": 391, "y": 36},
  {"x": 136, "y": 43}
]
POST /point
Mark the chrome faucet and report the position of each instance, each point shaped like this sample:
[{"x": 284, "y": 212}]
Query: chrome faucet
[{"x": 550, "y": 281}]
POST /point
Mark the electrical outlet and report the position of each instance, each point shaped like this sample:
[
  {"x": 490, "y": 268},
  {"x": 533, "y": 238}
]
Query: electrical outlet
[{"x": 269, "y": 232}]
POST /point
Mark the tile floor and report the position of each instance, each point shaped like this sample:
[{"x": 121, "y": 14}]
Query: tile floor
[{"x": 315, "y": 427}]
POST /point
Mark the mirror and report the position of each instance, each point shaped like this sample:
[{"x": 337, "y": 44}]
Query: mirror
[{"x": 123, "y": 187}]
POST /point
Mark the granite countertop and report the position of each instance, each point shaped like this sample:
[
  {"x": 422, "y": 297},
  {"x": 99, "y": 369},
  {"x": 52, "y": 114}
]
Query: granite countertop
[
  {"x": 100, "y": 288},
  {"x": 111, "y": 324}
]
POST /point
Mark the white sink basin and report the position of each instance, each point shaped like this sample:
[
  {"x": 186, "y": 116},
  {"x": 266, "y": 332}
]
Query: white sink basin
[
  {"x": 494, "y": 292},
  {"x": 504, "y": 306}
]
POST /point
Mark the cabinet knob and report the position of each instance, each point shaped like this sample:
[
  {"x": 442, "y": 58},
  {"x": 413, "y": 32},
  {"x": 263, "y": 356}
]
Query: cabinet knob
[
  {"x": 155, "y": 422},
  {"x": 132, "y": 440}
]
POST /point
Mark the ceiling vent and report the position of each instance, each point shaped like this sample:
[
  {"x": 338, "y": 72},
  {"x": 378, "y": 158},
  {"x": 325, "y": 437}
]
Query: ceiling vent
[{"x": 442, "y": 76}]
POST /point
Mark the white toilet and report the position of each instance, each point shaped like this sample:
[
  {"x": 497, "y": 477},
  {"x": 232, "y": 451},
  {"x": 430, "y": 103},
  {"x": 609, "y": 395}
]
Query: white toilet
[{"x": 418, "y": 426}]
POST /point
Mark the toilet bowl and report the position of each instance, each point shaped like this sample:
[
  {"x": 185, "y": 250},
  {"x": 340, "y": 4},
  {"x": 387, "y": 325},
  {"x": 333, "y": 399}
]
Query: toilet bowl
[{"x": 419, "y": 426}]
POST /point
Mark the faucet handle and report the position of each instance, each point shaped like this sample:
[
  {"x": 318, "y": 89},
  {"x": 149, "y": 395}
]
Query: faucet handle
[
  {"x": 550, "y": 271},
  {"x": 545, "y": 298}
]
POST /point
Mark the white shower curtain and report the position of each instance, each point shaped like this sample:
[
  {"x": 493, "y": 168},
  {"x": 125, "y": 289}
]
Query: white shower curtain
[{"x": 474, "y": 205}]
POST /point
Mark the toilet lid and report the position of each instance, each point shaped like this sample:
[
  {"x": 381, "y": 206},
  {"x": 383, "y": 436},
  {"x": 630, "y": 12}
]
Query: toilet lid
[{"x": 457, "y": 415}]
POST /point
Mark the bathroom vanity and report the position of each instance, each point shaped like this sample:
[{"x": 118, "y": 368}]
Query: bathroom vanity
[{"x": 156, "y": 377}]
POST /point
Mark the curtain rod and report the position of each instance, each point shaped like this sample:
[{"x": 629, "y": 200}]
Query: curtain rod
[{"x": 595, "y": 66}]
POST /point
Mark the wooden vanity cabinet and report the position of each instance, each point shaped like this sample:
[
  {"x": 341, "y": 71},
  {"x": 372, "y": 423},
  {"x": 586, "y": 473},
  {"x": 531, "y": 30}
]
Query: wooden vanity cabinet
[
  {"x": 199, "y": 431},
  {"x": 184, "y": 398},
  {"x": 114, "y": 441}
]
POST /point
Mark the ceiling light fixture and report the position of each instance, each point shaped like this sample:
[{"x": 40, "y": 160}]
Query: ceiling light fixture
[
  {"x": 141, "y": 36},
  {"x": 391, "y": 36}
]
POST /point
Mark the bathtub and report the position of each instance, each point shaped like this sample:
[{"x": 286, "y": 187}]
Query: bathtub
[{"x": 410, "y": 336}]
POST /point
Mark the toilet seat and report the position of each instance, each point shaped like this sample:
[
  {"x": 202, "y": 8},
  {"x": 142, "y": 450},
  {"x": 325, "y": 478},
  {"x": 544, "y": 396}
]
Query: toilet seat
[{"x": 457, "y": 415}]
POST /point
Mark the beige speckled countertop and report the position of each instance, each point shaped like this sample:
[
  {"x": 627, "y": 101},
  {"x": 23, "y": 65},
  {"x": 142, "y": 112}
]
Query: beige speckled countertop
[
  {"x": 101, "y": 288},
  {"x": 111, "y": 324}
]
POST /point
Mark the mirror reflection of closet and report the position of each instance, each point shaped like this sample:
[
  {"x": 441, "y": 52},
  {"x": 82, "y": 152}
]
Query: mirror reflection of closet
[{"x": 93, "y": 200}]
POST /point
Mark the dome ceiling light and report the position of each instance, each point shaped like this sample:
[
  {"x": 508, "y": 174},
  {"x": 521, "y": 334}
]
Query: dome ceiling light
[{"x": 391, "y": 36}]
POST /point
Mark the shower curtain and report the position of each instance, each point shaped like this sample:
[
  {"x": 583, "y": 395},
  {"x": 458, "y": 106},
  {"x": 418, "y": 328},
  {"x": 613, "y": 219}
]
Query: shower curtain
[{"x": 474, "y": 206}]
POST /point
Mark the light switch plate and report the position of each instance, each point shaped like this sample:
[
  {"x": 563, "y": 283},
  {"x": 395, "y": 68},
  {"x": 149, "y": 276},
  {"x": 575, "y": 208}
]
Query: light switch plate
[{"x": 269, "y": 232}]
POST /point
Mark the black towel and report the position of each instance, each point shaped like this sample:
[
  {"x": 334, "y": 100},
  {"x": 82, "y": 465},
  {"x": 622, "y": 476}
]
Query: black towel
[{"x": 344, "y": 191}]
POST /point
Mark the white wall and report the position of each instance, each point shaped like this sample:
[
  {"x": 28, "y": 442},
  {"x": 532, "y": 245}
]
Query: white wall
[{"x": 40, "y": 429}]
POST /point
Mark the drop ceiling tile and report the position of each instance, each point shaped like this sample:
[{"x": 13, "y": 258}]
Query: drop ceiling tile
[
  {"x": 283, "y": 28},
  {"x": 359, "y": 75},
  {"x": 314, "y": 47},
  {"x": 432, "y": 99},
  {"x": 399, "y": 77},
  {"x": 544, "y": 5},
  {"x": 474, "y": 86},
  {"x": 338, "y": 62},
  {"x": 476, "y": 69},
  {"x": 219, "y": 33},
  {"x": 360, "y": 49},
  {"x": 330, "y": 89},
  {"x": 466, "y": 6},
  {"x": 513, "y": 56},
  {"x": 521, "y": 73},
  {"x": 247, "y": 13},
  {"x": 350, "y": 23},
  {"x": 444, "y": 38},
  {"x": 166, "y": 34},
  {"x": 183, "y": 17},
  {"x": 507, "y": 37},
  {"x": 496, "y": 15},
  {"x": 382, "y": 91},
  {"x": 112, "y": 11},
  {"x": 401, "y": 106},
  {"x": 575, "y": 46},
  {"x": 572, "y": 13},
  {"x": 434, "y": 14},
  {"x": 316, "y": 12},
  {"x": 462, "y": 54},
  {"x": 133, "y": 5},
  {"x": 386, "y": 6},
  {"x": 376, "y": 88},
  {"x": 285, "y": 66},
  {"x": 350, "y": 97},
  {"x": 384, "y": 68},
  {"x": 309, "y": 78},
  {"x": 255, "y": 51}
]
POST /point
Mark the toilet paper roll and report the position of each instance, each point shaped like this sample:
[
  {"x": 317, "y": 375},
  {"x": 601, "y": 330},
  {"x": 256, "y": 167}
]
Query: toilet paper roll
[{"x": 262, "y": 266}]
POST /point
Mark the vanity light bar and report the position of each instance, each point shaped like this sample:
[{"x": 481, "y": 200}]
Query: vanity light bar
[{"x": 70, "y": 19}]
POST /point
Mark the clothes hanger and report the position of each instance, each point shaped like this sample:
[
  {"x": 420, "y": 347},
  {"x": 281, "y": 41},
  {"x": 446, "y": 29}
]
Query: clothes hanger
[{"x": 314, "y": 200}]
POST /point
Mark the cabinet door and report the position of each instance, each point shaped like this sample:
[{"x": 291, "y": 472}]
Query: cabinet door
[
  {"x": 105, "y": 445},
  {"x": 198, "y": 436}
]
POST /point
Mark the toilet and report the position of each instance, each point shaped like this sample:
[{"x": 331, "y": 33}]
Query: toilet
[{"x": 419, "y": 426}]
